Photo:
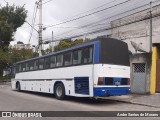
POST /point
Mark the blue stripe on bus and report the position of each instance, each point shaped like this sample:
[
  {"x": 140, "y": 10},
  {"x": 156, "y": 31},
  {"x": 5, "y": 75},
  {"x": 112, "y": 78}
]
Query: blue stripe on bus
[
  {"x": 117, "y": 79},
  {"x": 96, "y": 52},
  {"x": 110, "y": 91},
  {"x": 58, "y": 52}
]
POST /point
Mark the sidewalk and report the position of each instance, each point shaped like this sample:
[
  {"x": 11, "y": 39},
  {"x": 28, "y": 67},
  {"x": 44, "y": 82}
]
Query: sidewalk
[
  {"x": 5, "y": 83},
  {"x": 147, "y": 100}
]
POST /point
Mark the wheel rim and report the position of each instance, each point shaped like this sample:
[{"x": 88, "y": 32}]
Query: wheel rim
[
  {"x": 59, "y": 91},
  {"x": 18, "y": 87}
]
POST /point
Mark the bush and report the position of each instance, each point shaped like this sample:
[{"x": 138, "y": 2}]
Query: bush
[{"x": 5, "y": 78}]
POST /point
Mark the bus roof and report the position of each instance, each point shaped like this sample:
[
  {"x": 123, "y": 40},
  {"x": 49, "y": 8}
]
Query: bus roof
[{"x": 91, "y": 42}]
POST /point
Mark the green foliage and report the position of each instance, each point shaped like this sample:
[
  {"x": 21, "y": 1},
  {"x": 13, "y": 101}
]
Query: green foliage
[
  {"x": 4, "y": 60},
  {"x": 12, "y": 56},
  {"x": 11, "y": 17},
  {"x": 63, "y": 44},
  {"x": 77, "y": 42},
  {"x": 6, "y": 33},
  {"x": 5, "y": 78},
  {"x": 35, "y": 54},
  {"x": 48, "y": 50},
  {"x": 19, "y": 55}
]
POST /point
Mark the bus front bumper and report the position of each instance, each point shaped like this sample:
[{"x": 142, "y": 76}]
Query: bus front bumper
[{"x": 110, "y": 91}]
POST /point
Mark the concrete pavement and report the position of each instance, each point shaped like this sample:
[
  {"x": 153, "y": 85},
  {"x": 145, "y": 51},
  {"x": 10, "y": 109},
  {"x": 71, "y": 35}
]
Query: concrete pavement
[
  {"x": 29, "y": 101},
  {"x": 147, "y": 100}
]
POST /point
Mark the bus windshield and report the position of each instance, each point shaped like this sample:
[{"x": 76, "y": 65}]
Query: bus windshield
[{"x": 114, "y": 52}]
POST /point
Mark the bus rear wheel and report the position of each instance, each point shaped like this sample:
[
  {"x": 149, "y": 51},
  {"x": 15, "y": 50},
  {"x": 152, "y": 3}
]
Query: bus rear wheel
[
  {"x": 59, "y": 91},
  {"x": 18, "y": 86}
]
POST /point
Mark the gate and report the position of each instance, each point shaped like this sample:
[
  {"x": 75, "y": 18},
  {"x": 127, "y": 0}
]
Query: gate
[
  {"x": 138, "y": 77},
  {"x": 158, "y": 76}
]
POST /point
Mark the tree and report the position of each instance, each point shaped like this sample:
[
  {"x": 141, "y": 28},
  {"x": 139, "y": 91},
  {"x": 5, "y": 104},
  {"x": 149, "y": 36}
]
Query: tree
[
  {"x": 63, "y": 44},
  {"x": 11, "y": 17},
  {"x": 19, "y": 55},
  {"x": 4, "y": 60},
  {"x": 6, "y": 34},
  {"x": 77, "y": 42}
]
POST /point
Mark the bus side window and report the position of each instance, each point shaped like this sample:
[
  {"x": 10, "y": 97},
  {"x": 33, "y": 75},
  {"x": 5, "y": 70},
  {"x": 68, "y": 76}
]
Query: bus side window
[
  {"x": 68, "y": 59},
  {"x": 31, "y": 65},
  {"x": 77, "y": 57},
  {"x": 27, "y": 66},
  {"x": 20, "y": 67},
  {"x": 23, "y": 67},
  {"x": 59, "y": 61},
  {"x": 87, "y": 55},
  {"x": 35, "y": 64},
  {"x": 46, "y": 63},
  {"x": 90, "y": 55},
  {"x": 17, "y": 68},
  {"x": 52, "y": 61},
  {"x": 41, "y": 63}
]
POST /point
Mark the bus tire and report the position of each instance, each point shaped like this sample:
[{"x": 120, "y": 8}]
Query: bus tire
[
  {"x": 59, "y": 91},
  {"x": 18, "y": 87}
]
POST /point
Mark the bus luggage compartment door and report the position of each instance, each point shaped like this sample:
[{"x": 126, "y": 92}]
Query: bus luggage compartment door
[{"x": 81, "y": 85}]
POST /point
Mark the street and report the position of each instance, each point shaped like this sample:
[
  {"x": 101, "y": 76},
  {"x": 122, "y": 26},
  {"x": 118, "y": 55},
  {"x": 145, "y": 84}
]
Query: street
[{"x": 11, "y": 100}]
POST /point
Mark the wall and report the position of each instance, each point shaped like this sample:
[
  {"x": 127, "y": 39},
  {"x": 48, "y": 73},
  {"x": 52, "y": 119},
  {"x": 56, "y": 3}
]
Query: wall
[{"x": 137, "y": 32}]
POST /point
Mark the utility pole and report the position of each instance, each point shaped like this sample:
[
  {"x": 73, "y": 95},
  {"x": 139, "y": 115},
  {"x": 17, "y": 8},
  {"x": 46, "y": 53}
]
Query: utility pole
[
  {"x": 150, "y": 41},
  {"x": 40, "y": 28},
  {"x": 52, "y": 43}
]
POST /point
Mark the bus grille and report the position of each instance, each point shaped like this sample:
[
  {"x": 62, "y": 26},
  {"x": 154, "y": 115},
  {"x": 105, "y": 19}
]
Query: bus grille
[{"x": 81, "y": 85}]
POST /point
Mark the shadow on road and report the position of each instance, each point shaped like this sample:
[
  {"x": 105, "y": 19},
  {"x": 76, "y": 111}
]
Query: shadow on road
[{"x": 83, "y": 100}]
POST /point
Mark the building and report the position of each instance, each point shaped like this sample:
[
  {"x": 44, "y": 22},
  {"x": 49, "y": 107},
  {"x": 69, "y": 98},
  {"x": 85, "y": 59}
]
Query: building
[
  {"x": 144, "y": 66},
  {"x": 136, "y": 27},
  {"x": 21, "y": 45}
]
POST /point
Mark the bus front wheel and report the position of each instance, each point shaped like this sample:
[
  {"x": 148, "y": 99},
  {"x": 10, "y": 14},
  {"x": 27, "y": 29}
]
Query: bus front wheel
[{"x": 59, "y": 91}]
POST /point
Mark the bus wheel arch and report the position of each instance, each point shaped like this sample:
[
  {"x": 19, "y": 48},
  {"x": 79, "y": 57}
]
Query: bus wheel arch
[
  {"x": 59, "y": 90},
  {"x": 18, "y": 86}
]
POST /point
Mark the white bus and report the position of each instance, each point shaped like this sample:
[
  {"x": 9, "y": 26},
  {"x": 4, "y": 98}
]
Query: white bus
[{"x": 97, "y": 68}]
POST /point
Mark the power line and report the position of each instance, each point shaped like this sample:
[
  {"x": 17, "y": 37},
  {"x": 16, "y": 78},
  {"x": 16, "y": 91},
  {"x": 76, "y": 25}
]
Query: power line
[
  {"x": 47, "y": 2},
  {"x": 89, "y": 14},
  {"x": 5, "y": 1},
  {"x": 92, "y": 24},
  {"x": 33, "y": 20},
  {"x": 109, "y": 28},
  {"x": 90, "y": 10},
  {"x": 27, "y": 22},
  {"x": 123, "y": 10},
  {"x": 142, "y": 6}
]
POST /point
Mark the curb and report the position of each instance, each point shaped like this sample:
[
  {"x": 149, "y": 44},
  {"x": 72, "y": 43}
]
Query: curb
[
  {"x": 5, "y": 83},
  {"x": 145, "y": 104},
  {"x": 136, "y": 103}
]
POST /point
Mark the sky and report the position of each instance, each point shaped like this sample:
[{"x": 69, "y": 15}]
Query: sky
[{"x": 57, "y": 11}]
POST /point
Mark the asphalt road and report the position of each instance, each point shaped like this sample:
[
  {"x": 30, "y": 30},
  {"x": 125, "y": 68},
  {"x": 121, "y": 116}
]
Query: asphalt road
[{"x": 11, "y": 100}]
